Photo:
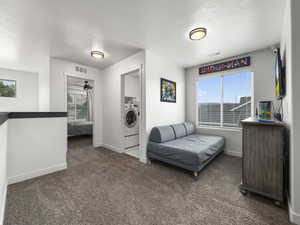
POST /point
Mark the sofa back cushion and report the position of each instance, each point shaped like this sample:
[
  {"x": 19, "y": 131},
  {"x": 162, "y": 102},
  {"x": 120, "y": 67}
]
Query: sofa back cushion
[
  {"x": 162, "y": 134},
  {"x": 190, "y": 128},
  {"x": 179, "y": 130}
]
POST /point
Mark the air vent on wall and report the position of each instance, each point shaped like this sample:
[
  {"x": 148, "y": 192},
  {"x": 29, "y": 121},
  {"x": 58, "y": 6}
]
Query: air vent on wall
[{"x": 80, "y": 69}]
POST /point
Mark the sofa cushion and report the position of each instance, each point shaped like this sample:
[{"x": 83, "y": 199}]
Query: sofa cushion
[
  {"x": 162, "y": 134},
  {"x": 190, "y": 128},
  {"x": 179, "y": 130},
  {"x": 189, "y": 152}
]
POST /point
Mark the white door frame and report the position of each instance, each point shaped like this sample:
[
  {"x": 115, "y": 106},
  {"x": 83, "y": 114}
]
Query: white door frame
[
  {"x": 66, "y": 75},
  {"x": 142, "y": 130}
]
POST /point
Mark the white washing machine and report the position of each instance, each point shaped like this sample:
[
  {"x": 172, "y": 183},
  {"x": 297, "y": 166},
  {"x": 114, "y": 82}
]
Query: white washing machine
[
  {"x": 131, "y": 124},
  {"x": 131, "y": 119}
]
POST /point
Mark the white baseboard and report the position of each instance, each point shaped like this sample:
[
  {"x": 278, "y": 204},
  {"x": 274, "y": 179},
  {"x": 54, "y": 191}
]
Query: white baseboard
[
  {"x": 37, "y": 173},
  {"x": 294, "y": 217},
  {"x": 2, "y": 209},
  {"x": 110, "y": 147},
  {"x": 234, "y": 153},
  {"x": 118, "y": 150},
  {"x": 143, "y": 160},
  {"x": 97, "y": 145}
]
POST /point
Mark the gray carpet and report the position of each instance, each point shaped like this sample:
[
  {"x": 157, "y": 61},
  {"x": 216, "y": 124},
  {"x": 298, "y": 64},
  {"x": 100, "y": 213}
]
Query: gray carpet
[{"x": 103, "y": 187}]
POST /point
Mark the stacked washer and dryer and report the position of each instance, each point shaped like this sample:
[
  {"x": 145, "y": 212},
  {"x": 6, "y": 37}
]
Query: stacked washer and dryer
[
  {"x": 131, "y": 94},
  {"x": 131, "y": 125}
]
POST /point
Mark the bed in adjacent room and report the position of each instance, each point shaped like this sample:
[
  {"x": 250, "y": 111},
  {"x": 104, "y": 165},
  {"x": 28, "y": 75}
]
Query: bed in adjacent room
[{"x": 77, "y": 128}]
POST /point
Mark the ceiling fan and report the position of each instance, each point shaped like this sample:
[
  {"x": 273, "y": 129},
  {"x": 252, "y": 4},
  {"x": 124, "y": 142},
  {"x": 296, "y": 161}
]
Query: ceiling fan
[{"x": 86, "y": 86}]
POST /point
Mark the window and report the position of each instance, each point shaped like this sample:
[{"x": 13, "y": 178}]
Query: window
[
  {"x": 224, "y": 100},
  {"x": 7, "y": 88},
  {"x": 77, "y": 106}
]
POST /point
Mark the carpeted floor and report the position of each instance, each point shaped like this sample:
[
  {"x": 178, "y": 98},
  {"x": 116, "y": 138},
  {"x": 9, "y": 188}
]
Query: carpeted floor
[{"x": 104, "y": 187}]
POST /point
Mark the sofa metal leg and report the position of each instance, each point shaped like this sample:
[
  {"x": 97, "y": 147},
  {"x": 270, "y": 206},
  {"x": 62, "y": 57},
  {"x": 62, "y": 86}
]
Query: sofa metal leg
[{"x": 196, "y": 174}]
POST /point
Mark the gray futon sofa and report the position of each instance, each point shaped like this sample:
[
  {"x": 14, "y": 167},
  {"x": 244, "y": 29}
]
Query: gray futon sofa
[{"x": 179, "y": 145}]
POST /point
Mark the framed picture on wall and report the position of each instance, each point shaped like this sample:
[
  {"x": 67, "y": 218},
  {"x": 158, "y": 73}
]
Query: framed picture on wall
[
  {"x": 167, "y": 90},
  {"x": 8, "y": 88}
]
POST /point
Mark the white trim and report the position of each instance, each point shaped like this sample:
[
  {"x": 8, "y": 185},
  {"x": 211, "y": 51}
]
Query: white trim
[
  {"x": 118, "y": 150},
  {"x": 143, "y": 160},
  {"x": 142, "y": 131},
  {"x": 234, "y": 153},
  {"x": 112, "y": 148},
  {"x": 212, "y": 124},
  {"x": 37, "y": 173},
  {"x": 3, "y": 205},
  {"x": 294, "y": 216},
  {"x": 237, "y": 129},
  {"x": 98, "y": 145},
  {"x": 195, "y": 98},
  {"x": 252, "y": 96},
  {"x": 222, "y": 101},
  {"x": 66, "y": 75},
  {"x": 123, "y": 75}
]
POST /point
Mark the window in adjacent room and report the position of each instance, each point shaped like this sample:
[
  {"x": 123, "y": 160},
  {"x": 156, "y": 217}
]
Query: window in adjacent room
[
  {"x": 8, "y": 88},
  {"x": 77, "y": 106},
  {"x": 224, "y": 100}
]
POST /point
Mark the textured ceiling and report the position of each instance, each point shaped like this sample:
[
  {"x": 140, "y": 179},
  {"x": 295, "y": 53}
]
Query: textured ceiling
[{"x": 70, "y": 29}]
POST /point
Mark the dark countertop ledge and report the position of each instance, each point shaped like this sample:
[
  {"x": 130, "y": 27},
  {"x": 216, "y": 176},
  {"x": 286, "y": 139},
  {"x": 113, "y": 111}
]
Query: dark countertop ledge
[
  {"x": 3, "y": 117},
  {"x": 256, "y": 122},
  {"x": 22, "y": 115}
]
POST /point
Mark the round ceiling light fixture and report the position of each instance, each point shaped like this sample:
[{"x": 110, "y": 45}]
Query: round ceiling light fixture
[
  {"x": 97, "y": 54},
  {"x": 198, "y": 33}
]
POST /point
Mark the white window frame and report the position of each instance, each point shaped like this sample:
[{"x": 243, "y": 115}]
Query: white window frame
[
  {"x": 222, "y": 75},
  {"x": 76, "y": 120}
]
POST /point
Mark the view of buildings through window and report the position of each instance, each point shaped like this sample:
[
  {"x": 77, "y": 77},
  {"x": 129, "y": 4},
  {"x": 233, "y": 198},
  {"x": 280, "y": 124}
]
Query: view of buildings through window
[{"x": 224, "y": 100}]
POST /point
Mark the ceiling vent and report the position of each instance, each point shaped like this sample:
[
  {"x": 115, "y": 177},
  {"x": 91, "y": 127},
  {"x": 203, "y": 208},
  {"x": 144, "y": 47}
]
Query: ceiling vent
[{"x": 80, "y": 69}]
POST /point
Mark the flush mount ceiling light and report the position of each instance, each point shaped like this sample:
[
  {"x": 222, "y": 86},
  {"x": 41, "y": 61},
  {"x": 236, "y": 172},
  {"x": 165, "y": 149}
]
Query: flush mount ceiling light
[
  {"x": 97, "y": 54},
  {"x": 198, "y": 33}
]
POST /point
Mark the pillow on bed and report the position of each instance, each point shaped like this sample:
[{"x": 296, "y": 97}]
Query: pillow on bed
[
  {"x": 162, "y": 134},
  {"x": 179, "y": 130},
  {"x": 190, "y": 128}
]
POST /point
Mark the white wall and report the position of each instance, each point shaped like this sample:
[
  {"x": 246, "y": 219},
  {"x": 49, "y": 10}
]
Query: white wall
[
  {"x": 290, "y": 47},
  {"x": 3, "y": 169},
  {"x": 59, "y": 69},
  {"x": 36, "y": 146},
  {"x": 262, "y": 66},
  {"x": 163, "y": 113},
  {"x": 112, "y": 122},
  {"x": 27, "y": 98},
  {"x": 156, "y": 112},
  {"x": 32, "y": 60},
  {"x": 132, "y": 86}
]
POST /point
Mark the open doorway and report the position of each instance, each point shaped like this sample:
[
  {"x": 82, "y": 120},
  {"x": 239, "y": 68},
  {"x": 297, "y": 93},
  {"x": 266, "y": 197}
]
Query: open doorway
[
  {"x": 80, "y": 107},
  {"x": 131, "y": 112}
]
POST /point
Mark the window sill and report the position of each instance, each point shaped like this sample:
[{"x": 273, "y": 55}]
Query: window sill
[{"x": 236, "y": 129}]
